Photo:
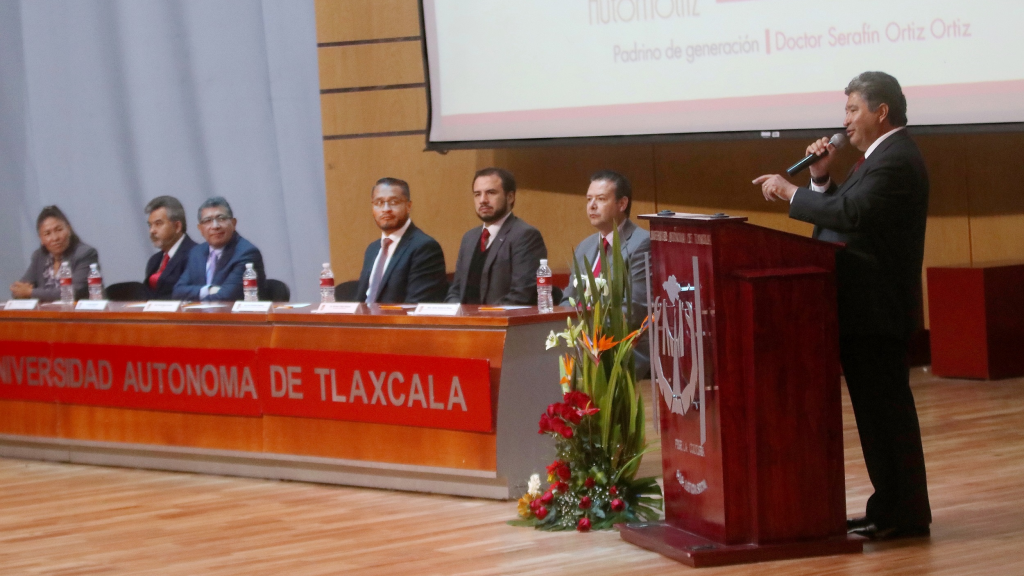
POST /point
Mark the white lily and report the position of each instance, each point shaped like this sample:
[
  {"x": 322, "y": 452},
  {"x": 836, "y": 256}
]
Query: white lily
[{"x": 533, "y": 487}]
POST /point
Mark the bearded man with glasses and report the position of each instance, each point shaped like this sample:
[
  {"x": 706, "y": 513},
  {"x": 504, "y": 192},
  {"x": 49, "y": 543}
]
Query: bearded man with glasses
[
  {"x": 215, "y": 267},
  {"x": 405, "y": 265}
]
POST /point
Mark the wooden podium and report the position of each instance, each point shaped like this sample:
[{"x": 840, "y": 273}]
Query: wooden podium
[{"x": 745, "y": 367}]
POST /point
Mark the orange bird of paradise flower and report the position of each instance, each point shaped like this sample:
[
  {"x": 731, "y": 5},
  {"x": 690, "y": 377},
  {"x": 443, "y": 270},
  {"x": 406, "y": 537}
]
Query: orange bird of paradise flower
[
  {"x": 638, "y": 331},
  {"x": 567, "y": 364},
  {"x": 599, "y": 344}
]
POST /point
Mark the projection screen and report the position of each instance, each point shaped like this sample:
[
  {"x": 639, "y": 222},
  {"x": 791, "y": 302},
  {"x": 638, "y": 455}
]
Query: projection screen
[{"x": 539, "y": 69}]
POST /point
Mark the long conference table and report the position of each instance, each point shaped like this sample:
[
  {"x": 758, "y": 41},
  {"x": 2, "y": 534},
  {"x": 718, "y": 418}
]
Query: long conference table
[{"x": 380, "y": 398}]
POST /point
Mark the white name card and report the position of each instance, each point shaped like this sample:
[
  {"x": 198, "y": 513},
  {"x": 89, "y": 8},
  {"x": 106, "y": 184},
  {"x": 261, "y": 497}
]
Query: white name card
[
  {"x": 162, "y": 306},
  {"x": 438, "y": 309},
  {"x": 92, "y": 305},
  {"x": 28, "y": 304},
  {"x": 338, "y": 308},
  {"x": 242, "y": 306}
]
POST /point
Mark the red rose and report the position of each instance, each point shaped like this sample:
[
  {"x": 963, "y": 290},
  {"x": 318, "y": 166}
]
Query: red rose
[
  {"x": 546, "y": 497},
  {"x": 566, "y": 432},
  {"x": 618, "y": 505},
  {"x": 541, "y": 513},
  {"x": 589, "y": 482},
  {"x": 585, "y": 503},
  {"x": 583, "y": 525},
  {"x": 560, "y": 469},
  {"x": 577, "y": 399},
  {"x": 613, "y": 491},
  {"x": 534, "y": 504},
  {"x": 560, "y": 487},
  {"x": 546, "y": 424}
]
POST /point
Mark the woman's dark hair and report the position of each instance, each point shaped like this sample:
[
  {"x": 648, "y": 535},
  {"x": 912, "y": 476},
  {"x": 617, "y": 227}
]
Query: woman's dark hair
[{"x": 54, "y": 212}]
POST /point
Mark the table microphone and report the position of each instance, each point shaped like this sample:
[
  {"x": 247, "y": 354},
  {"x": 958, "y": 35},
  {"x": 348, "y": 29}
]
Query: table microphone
[{"x": 838, "y": 140}]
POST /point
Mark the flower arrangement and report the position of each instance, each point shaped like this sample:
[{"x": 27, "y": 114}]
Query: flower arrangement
[{"x": 599, "y": 425}]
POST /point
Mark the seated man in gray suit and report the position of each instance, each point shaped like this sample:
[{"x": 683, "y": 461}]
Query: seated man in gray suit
[
  {"x": 609, "y": 202},
  {"x": 498, "y": 261}
]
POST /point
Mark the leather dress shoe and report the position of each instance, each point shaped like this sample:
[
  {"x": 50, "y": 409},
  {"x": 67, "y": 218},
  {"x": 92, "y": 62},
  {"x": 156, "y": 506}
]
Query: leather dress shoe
[
  {"x": 872, "y": 531},
  {"x": 860, "y": 523}
]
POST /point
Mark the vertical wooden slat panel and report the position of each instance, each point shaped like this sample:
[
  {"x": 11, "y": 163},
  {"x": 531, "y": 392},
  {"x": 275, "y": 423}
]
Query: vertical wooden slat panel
[
  {"x": 351, "y": 20},
  {"x": 371, "y": 65}
]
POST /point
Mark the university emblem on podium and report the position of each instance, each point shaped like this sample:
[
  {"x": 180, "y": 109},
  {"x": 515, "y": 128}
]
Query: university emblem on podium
[{"x": 677, "y": 356}]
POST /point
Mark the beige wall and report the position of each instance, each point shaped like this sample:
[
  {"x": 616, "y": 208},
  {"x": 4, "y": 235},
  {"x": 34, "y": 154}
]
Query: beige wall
[{"x": 976, "y": 212}]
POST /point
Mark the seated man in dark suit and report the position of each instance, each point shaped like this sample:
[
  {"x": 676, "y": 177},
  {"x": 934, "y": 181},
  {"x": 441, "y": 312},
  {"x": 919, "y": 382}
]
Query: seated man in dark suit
[
  {"x": 497, "y": 262},
  {"x": 215, "y": 267},
  {"x": 166, "y": 219},
  {"x": 405, "y": 265},
  {"x": 609, "y": 202}
]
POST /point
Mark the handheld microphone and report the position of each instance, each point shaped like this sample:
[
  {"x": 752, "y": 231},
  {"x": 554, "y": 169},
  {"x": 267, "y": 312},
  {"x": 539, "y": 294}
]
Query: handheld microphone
[{"x": 838, "y": 140}]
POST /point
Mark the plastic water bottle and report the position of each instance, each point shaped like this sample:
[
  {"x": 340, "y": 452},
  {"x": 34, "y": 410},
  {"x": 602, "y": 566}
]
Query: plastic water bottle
[
  {"x": 95, "y": 282},
  {"x": 67, "y": 291},
  {"x": 249, "y": 288},
  {"x": 544, "y": 302},
  {"x": 327, "y": 284}
]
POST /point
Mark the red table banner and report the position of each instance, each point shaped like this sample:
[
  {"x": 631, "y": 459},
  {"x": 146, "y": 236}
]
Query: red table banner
[
  {"x": 206, "y": 381},
  {"x": 426, "y": 391},
  {"x": 20, "y": 377}
]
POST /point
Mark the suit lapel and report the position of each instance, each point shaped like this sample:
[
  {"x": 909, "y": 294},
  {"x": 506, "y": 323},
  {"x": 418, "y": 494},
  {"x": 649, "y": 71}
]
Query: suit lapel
[
  {"x": 627, "y": 232},
  {"x": 869, "y": 161},
  {"x": 220, "y": 272}
]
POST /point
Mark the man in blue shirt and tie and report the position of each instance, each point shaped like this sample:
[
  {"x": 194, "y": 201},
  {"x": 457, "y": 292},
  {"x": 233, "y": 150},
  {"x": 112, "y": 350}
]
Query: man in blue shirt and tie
[{"x": 215, "y": 267}]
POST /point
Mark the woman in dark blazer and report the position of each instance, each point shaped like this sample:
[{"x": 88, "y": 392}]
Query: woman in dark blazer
[{"x": 59, "y": 243}]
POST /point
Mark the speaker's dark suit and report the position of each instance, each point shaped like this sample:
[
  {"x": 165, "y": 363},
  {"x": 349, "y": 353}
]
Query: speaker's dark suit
[
  {"x": 880, "y": 214},
  {"x": 415, "y": 274},
  {"x": 169, "y": 277},
  {"x": 510, "y": 271},
  {"x": 228, "y": 274}
]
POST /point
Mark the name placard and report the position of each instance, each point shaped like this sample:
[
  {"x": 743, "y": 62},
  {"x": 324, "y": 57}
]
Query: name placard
[
  {"x": 27, "y": 304},
  {"x": 338, "y": 308},
  {"x": 242, "y": 306},
  {"x": 162, "y": 306},
  {"x": 92, "y": 305},
  {"x": 437, "y": 309}
]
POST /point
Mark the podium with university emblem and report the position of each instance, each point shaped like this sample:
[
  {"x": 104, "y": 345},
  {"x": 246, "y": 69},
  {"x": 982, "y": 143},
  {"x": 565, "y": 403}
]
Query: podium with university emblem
[{"x": 746, "y": 377}]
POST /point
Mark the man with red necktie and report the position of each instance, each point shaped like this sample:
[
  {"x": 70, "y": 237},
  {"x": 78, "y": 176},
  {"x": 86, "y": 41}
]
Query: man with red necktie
[
  {"x": 497, "y": 262},
  {"x": 879, "y": 213},
  {"x": 609, "y": 202},
  {"x": 167, "y": 233}
]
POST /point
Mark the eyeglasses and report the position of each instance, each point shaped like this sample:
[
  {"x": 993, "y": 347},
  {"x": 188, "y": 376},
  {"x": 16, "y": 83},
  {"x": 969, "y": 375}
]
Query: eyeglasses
[
  {"x": 220, "y": 218},
  {"x": 393, "y": 203}
]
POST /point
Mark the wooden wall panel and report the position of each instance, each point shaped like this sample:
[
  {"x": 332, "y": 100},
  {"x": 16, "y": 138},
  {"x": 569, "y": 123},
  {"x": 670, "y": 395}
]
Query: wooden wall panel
[
  {"x": 371, "y": 65},
  {"x": 442, "y": 203},
  {"x": 29, "y": 418},
  {"x": 163, "y": 428},
  {"x": 380, "y": 442},
  {"x": 351, "y": 20},
  {"x": 553, "y": 185},
  {"x": 996, "y": 200},
  {"x": 374, "y": 112}
]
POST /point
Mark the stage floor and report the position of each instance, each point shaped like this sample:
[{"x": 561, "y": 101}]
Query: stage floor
[{"x": 70, "y": 519}]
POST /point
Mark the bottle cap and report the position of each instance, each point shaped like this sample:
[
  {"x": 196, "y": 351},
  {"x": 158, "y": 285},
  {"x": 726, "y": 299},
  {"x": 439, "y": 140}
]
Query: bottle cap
[
  {"x": 327, "y": 264},
  {"x": 543, "y": 261},
  {"x": 248, "y": 265},
  {"x": 93, "y": 267}
]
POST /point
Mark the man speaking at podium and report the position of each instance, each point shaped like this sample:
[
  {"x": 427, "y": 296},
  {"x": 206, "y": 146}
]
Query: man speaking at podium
[{"x": 879, "y": 213}]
